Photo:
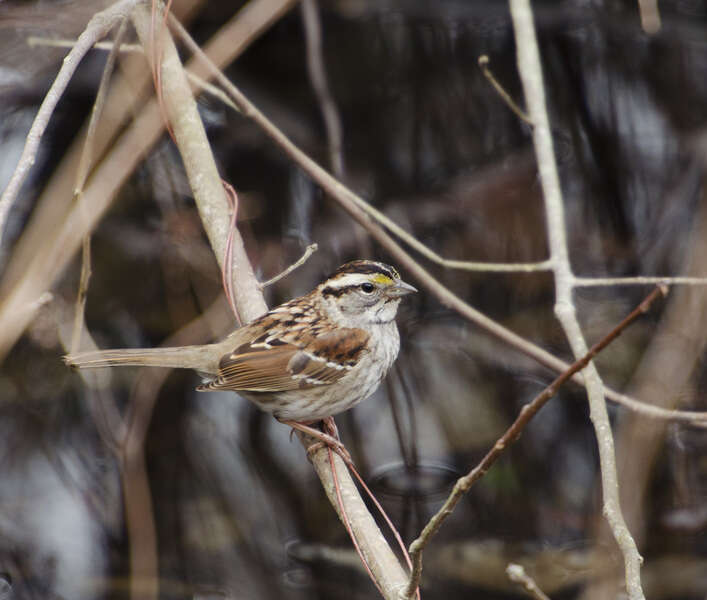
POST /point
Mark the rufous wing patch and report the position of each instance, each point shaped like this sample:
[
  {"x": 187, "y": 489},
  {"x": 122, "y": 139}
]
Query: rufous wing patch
[{"x": 308, "y": 361}]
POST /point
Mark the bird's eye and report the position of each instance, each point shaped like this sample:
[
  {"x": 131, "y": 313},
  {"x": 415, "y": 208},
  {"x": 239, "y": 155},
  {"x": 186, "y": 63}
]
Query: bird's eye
[{"x": 367, "y": 288}]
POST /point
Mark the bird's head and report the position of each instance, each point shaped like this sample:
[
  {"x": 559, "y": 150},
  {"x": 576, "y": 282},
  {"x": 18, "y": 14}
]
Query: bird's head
[{"x": 364, "y": 292}]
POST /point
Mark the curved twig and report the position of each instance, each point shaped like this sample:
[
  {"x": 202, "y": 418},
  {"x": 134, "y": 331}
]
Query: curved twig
[{"x": 97, "y": 28}]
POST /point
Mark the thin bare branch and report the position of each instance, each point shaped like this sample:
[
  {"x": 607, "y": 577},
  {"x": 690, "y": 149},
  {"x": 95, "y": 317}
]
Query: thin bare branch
[
  {"x": 382, "y": 563},
  {"x": 82, "y": 173},
  {"x": 611, "y": 281},
  {"x": 505, "y": 96},
  {"x": 352, "y": 203},
  {"x": 529, "y": 67},
  {"x": 337, "y": 188},
  {"x": 97, "y": 110},
  {"x": 309, "y": 250},
  {"x": 181, "y": 109},
  {"x": 96, "y": 29},
  {"x": 463, "y": 484},
  {"x": 197, "y": 82},
  {"x": 34, "y": 41},
  {"x": 317, "y": 75}
]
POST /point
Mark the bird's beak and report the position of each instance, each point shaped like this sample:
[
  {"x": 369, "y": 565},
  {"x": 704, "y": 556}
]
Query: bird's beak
[{"x": 400, "y": 288}]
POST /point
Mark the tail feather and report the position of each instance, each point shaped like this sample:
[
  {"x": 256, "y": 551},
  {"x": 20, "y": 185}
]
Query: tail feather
[{"x": 201, "y": 358}]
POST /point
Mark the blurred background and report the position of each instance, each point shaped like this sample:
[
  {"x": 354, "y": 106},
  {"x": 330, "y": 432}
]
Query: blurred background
[{"x": 208, "y": 498}]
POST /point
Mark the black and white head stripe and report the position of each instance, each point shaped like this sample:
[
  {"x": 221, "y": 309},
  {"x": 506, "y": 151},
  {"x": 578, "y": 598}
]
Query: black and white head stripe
[
  {"x": 353, "y": 274},
  {"x": 366, "y": 267}
]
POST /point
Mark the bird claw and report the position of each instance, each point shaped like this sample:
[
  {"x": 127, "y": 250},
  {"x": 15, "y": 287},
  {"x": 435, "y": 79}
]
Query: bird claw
[
  {"x": 327, "y": 438},
  {"x": 334, "y": 445}
]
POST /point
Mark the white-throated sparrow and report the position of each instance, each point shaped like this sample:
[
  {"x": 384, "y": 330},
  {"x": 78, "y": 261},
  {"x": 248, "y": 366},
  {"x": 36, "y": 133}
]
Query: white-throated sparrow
[{"x": 305, "y": 360}]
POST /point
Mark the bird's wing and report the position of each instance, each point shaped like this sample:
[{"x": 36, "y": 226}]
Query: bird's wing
[{"x": 278, "y": 366}]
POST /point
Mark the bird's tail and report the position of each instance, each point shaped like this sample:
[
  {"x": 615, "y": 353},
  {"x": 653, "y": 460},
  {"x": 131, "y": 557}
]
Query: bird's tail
[{"x": 201, "y": 358}]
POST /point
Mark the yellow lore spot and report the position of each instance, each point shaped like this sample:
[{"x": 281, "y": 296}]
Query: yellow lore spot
[{"x": 382, "y": 279}]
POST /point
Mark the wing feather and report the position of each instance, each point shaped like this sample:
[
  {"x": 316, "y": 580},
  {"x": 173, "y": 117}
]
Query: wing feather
[{"x": 296, "y": 363}]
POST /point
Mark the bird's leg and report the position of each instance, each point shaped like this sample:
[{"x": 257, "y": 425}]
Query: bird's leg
[
  {"x": 329, "y": 438},
  {"x": 329, "y": 426}
]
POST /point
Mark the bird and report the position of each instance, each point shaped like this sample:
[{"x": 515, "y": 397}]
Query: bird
[{"x": 304, "y": 361}]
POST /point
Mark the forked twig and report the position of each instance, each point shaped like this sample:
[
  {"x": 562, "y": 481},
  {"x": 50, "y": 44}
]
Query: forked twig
[
  {"x": 464, "y": 483},
  {"x": 250, "y": 111}
]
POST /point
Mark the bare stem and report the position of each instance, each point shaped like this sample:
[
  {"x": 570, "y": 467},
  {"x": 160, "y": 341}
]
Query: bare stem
[
  {"x": 98, "y": 27},
  {"x": 638, "y": 280},
  {"x": 529, "y": 67},
  {"x": 196, "y": 81},
  {"x": 505, "y": 96},
  {"x": 384, "y": 566},
  {"x": 463, "y": 484},
  {"x": 198, "y": 160},
  {"x": 362, "y": 213},
  {"x": 82, "y": 173},
  {"x": 317, "y": 75},
  {"x": 200, "y": 166},
  {"x": 308, "y": 251}
]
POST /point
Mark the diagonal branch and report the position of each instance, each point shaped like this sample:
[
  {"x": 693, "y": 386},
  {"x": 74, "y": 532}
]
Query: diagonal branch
[
  {"x": 200, "y": 166},
  {"x": 511, "y": 435},
  {"x": 54, "y": 233},
  {"x": 362, "y": 212}
]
